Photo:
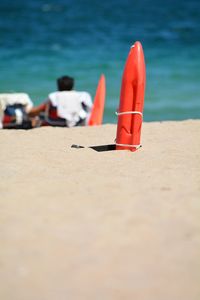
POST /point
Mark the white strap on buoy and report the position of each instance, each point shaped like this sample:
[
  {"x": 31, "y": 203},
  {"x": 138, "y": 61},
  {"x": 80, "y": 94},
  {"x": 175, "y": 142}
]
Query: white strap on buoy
[
  {"x": 129, "y": 113},
  {"x": 127, "y": 145}
]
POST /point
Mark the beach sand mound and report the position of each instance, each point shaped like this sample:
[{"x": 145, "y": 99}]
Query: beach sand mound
[{"x": 81, "y": 224}]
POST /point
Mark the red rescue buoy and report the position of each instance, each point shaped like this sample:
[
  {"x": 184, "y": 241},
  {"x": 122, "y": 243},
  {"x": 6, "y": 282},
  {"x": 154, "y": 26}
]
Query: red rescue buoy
[
  {"x": 131, "y": 100},
  {"x": 96, "y": 116}
]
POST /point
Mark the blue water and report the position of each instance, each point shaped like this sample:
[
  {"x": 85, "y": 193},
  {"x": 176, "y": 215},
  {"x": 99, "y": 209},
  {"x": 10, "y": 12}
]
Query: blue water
[{"x": 41, "y": 40}]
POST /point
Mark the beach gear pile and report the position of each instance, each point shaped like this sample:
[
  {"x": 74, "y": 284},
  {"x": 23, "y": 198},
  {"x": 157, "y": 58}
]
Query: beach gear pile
[{"x": 14, "y": 109}]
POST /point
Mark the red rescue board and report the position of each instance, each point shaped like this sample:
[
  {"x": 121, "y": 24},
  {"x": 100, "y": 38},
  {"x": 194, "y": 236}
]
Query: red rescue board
[
  {"x": 96, "y": 116},
  {"x": 131, "y": 100}
]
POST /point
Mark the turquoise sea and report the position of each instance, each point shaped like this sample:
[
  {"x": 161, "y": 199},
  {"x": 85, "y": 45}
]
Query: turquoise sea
[{"x": 41, "y": 40}]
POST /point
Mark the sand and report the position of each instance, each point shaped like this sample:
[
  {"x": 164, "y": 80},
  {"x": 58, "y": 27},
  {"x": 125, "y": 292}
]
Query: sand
[{"x": 81, "y": 224}]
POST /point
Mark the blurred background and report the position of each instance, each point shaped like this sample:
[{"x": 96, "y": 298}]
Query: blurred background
[{"x": 41, "y": 40}]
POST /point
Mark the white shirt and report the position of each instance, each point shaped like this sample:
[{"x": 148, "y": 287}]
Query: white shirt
[{"x": 69, "y": 105}]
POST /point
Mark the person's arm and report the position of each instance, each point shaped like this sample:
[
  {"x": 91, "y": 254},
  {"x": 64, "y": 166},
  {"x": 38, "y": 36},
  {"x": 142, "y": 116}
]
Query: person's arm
[{"x": 36, "y": 110}]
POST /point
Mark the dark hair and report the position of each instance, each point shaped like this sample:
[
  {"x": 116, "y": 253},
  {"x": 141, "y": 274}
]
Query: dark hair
[{"x": 65, "y": 83}]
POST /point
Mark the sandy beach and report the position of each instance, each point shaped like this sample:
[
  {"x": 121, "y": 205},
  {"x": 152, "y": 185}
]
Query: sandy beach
[{"x": 80, "y": 224}]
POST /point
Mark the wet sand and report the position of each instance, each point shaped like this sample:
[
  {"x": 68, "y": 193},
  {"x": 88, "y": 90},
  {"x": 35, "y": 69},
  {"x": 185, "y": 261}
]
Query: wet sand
[{"x": 80, "y": 224}]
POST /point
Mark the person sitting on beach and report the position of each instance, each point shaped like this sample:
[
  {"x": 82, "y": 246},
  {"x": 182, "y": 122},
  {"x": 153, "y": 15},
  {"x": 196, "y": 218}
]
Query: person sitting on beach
[{"x": 65, "y": 107}]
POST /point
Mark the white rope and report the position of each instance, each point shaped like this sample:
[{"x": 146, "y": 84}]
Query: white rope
[
  {"x": 127, "y": 145},
  {"x": 129, "y": 113}
]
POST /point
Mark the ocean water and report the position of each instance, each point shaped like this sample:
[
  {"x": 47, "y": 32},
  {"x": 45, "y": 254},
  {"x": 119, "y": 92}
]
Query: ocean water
[{"x": 41, "y": 40}]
